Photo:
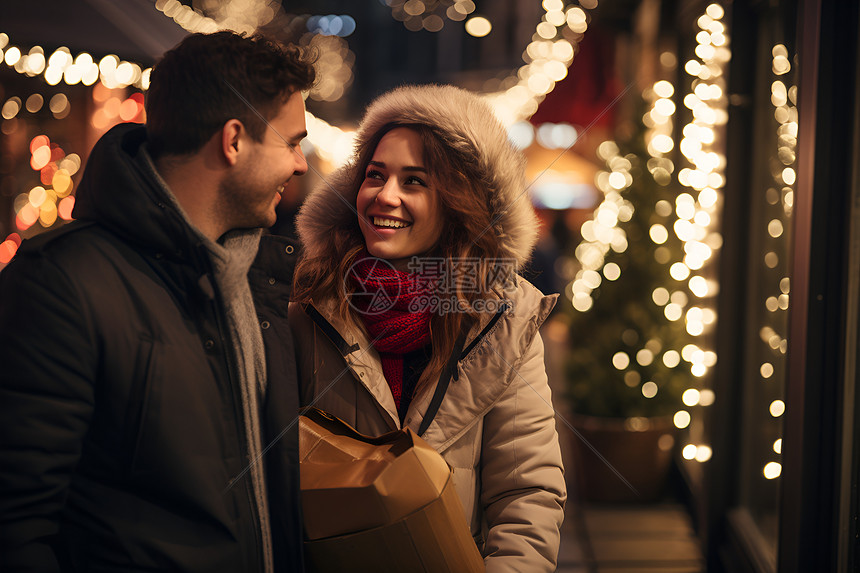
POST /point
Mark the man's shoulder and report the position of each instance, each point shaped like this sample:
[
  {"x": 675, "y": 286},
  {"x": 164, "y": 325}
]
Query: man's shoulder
[
  {"x": 49, "y": 241},
  {"x": 73, "y": 250},
  {"x": 45, "y": 264}
]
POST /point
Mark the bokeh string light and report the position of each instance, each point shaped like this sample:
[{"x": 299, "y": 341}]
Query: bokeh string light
[
  {"x": 430, "y": 15},
  {"x": 207, "y": 16},
  {"x": 82, "y": 69},
  {"x": 334, "y": 66},
  {"x": 326, "y": 33},
  {"x": 698, "y": 211},
  {"x": 50, "y": 201},
  {"x": 602, "y": 233},
  {"x": 659, "y": 144},
  {"x": 547, "y": 59},
  {"x": 780, "y": 200}
]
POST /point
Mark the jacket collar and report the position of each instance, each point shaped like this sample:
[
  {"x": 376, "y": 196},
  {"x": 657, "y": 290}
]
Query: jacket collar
[
  {"x": 492, "y": 350},
  {"x": 121, "y": 191},
  {"x": 271, "y": 275},
  {"x": 358, "y": 353}
]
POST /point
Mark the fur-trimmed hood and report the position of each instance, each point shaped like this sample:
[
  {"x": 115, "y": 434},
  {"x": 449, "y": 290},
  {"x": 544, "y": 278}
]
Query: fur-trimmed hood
[{"x": 465, "y": 122}]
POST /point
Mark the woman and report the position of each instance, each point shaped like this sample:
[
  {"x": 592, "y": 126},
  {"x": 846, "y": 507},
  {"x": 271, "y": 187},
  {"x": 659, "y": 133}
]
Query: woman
[{"x": 406, "y": 296}]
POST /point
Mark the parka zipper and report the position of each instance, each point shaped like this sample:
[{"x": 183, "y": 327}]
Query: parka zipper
[
  {"x": 235, "y": 391},
  {"x": 485, "y": 331}
]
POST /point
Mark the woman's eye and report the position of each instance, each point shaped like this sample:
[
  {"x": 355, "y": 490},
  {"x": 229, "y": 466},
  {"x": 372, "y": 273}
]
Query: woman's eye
[
  {"x": 373, "y": 174},
  {"x": 412, "y": 180}
]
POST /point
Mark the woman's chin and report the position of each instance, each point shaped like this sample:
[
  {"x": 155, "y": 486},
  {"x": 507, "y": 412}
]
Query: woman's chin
[
  {"x": 383, "y": 251},
  {"x": 396, "y": 259}
]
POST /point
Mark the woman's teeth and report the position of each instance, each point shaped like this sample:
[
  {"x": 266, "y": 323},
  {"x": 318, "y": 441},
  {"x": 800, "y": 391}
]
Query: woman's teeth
[{"x": 380, "y": 222}]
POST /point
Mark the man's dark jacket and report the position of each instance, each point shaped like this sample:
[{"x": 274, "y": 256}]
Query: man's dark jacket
[{"x": 122, "y": 441}]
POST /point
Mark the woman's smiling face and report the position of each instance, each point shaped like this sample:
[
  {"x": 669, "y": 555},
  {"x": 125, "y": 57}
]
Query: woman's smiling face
[{"x": 398, "y": 204}]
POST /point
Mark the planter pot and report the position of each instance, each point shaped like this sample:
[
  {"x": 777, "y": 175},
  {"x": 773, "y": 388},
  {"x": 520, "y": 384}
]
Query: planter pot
[{"x": 639, "y": 449}]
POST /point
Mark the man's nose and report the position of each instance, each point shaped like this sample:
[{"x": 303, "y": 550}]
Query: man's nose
[{"x": 301, "y": 163}]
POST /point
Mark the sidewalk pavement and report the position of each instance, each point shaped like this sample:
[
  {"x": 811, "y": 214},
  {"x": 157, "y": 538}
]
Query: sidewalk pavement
[{"x": 644, "y": 538}]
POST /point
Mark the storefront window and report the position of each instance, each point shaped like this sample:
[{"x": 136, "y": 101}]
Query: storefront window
[{"x": 771, "y": 199}]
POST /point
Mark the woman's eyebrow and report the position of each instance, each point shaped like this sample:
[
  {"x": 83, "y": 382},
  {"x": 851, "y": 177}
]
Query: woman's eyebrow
[{"x": 405, "y": 168}]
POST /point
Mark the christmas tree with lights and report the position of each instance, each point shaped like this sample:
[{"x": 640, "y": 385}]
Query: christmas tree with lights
[{"x": 631, "y": 322}]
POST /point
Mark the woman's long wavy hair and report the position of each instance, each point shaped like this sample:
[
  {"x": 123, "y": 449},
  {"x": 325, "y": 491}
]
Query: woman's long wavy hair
[{"x": 468, "y": 234}]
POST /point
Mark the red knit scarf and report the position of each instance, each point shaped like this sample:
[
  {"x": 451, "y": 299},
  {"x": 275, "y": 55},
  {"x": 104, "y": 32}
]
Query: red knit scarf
[{"x": 385, "y": 299}]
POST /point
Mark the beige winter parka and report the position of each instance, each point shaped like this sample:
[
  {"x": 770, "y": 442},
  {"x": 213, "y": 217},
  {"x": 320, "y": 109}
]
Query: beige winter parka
[{"x": 495, "y": 426}]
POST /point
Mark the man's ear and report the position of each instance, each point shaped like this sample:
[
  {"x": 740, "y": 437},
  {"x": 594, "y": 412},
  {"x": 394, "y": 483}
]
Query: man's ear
[{"x": 232, "y": 140}]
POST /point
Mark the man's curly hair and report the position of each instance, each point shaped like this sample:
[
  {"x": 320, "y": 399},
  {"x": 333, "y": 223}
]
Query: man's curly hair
[{"x": 195, "y": 88}]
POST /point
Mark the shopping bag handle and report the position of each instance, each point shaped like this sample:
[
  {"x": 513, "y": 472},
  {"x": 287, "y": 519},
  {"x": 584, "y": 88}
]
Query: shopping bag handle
[{"x": 442, "y": 386}]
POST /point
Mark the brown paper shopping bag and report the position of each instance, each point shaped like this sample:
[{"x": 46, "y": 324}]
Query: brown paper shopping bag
[{"x": 379, "y": 504}]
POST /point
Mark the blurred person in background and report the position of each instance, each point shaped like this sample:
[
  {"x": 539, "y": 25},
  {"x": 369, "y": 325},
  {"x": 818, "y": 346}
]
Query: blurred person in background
[
  {"x": 142, "y": 353},
  {"x": 409, "y": 312}
]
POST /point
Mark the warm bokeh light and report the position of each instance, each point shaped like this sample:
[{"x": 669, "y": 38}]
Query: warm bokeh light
[
  {"x": 8, "y": 248},
  {"x": 690, "y": 397},
  {"x": 703, "y": 453},
  {"x": 620, "y": 360},
  {"x": 39, "y": 141},
  {"x": 772, "y": 470},
  {"x": 478, "y": 26},
  {"x": 37, "y": 196},
  {"x": 26, "y": 217},
  {"x": 64, "y": 209},
  {"x": 671, "y": 358},
  {"x": 649, "y": 389},
  {"x": 706, "y": 397},
  {"x": 689, "y": 452},
  {"x": 777, "y": 408},
  {"x": 681, "y": 419},
  {"x": 12, "y": 56},
  {"x": 577, "y": 20},
  {"x": 644, "y": 357},
  {"x": 660, "y": 296},
  {"x": 555, "y": 17},
  {"x": 48, "y": 214},
  {"x": 41, "y": 157},
  {"x": 128, "y": 110}
]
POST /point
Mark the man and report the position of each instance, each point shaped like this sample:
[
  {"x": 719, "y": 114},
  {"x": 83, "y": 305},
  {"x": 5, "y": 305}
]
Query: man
[{"x": 133, "y": 377}]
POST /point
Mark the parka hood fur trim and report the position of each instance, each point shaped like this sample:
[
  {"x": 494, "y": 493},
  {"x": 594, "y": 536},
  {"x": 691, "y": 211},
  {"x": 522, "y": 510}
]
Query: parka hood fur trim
[{"x": 465, "y": 122}]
